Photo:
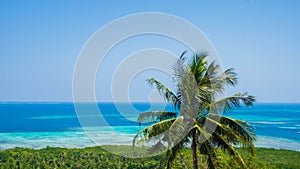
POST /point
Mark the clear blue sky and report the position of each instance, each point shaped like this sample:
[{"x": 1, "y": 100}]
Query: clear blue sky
[{"x": 40, "y": 42}]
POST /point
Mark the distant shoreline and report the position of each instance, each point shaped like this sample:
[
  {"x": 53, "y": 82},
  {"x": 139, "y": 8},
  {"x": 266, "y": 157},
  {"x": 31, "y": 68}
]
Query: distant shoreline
[{"x": 262, "y": 142}]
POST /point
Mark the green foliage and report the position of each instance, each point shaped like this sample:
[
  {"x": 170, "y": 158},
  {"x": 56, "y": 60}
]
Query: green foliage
[
  {"x": 280, "y": 158},
  {"x": 97, "y": 157},
  {"x": 198, "y": 123}
]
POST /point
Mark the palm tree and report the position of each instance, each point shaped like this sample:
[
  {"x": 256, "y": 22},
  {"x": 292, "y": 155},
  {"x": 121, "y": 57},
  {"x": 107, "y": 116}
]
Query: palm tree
[{"x": 197, "y": 121}]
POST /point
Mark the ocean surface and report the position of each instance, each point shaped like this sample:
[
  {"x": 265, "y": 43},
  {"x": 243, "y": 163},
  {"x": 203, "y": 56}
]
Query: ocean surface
[{"x": 37, "y": 125}]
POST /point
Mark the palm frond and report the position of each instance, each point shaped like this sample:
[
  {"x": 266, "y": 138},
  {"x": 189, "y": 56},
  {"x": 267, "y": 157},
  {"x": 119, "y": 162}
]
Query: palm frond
[
  {"x": 230, "y": 77},
  {"x": 225, "y": 145},
  {"x": 156, "y": 116},
  {"x": 203, "y": 135},
  {"x": 235, "y": 131},
  {"x": 164, "y": 91},
  {"x": 198, "y": 66},
  {"x": 243, "y": 130},
  {"x": 189, "y": 93},
  {"x": 182, "y": 56},
  {"x": 214, "y": 81},
  {"x": 241, "y": 127},
  {"x": 176, "y": 132},
  {"x": 153, "y": 132},
  {"x": 228, "y": 103},
  {"x": 213, "y": 126},
  {"x": 212, "y": 70}
]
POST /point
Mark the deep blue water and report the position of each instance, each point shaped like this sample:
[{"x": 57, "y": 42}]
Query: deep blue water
[
  {"x": 37, "y": 125},
  {"x": 47, "y": 117}
]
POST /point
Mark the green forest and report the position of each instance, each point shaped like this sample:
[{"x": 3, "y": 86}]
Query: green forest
[{"x": 97, "y": 157}]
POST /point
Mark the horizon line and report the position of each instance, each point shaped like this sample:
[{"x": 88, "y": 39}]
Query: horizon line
[{"x": 1, "y": 102}]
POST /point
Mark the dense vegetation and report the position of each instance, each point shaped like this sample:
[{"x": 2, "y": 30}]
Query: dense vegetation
[{"x": 96, "y": 157}]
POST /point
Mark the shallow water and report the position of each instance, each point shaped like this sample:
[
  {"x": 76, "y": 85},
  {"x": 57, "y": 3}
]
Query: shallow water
[{"x": 37, "y": 125}]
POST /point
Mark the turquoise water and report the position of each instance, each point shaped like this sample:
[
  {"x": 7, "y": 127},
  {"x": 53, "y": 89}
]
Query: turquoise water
[{"x": 37, "y": 125}]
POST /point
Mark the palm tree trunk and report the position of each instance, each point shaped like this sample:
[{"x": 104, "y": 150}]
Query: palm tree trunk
[{"x": 194, "y": 150}]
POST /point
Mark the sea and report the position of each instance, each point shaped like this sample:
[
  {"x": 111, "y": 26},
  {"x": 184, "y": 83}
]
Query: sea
[{"x": 69, "y": 125}]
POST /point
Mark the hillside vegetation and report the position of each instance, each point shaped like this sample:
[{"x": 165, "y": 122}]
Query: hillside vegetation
[{"x": 97, "y": 157}]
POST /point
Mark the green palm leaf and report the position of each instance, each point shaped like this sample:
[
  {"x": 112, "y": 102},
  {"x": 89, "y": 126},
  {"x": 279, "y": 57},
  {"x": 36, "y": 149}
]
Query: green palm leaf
[
  {"x": 228, "y": 103},
  {"x": 153, "y": 132},
  {"x": 165, "y": 92},
  {"x": 156, "y": 116},
  {"x": 225, "y": 145}
]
